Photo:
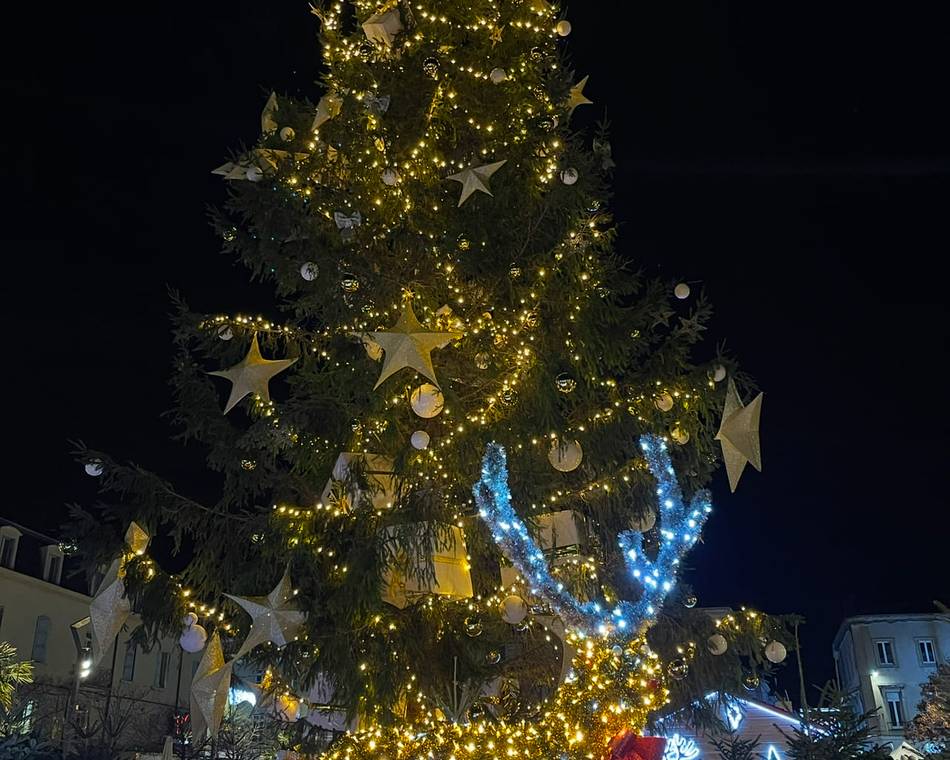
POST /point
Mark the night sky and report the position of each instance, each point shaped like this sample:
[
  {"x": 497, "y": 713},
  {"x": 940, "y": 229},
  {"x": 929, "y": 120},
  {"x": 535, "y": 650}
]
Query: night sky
[{"x": 793, "y": 160}]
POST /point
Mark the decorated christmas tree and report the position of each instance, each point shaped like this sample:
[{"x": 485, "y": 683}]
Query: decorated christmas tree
[{"x": 462, "y": 461}]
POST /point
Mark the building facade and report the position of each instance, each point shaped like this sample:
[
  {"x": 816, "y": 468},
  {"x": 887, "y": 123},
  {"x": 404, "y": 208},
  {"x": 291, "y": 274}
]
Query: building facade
[
  {"x": 884, "y": 660},
  {"x": 44, "y": 611}
]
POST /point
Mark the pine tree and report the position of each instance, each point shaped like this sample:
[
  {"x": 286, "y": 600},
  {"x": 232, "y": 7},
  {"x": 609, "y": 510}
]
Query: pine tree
[
  {"x": 441, "y": 250},
  {"x": 932, "y": 722},
  {"x": 733, "y": 747},
  {"x": 834, "y": 731}
]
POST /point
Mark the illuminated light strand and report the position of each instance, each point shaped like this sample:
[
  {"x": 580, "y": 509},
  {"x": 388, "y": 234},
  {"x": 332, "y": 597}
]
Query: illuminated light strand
[{"x": 680, "y": 527}]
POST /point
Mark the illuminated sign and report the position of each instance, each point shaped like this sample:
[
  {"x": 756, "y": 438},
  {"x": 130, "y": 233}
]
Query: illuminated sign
[
  {"x": 773, "y": 753},
  {"x": 734, "y": 716},
  {"x": 680, "y": 748}
]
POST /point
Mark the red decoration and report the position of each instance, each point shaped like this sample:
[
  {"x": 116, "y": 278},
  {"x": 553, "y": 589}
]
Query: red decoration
[{"x": 628, "y": 746}]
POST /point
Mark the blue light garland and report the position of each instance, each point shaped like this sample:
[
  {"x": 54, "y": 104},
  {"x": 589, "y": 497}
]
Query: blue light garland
[{"x": 680, "y": 526}]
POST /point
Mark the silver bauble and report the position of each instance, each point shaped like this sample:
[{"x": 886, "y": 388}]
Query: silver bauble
[
  {"x": 310, "y": 270},
  {"x": 717, "y": 644}
]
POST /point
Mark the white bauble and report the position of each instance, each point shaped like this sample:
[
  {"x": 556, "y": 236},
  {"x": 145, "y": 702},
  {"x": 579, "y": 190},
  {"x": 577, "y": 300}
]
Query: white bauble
[
  {"x": 420, "y": 440},
  {"x": 254, "y": 173},
  {"x": 719, "y": 374},
  {"x": 93, "y": 467},
  {"x": 287, "y": 134},
  {"x": 564, "y": 27},
  {"x": 717, "y": 644},
  {"x": 427, "y": 401},
  {"x": 775, "y": 652},
  {"x": 309, "y": 270},
  {"x": 189, "y": 619},
  {"x": 225, "y": 332},
  {"x": 498, "y": 76},
  {"x": 390, "y": 176},
  {"x": 680, "y": 435},
  {"x": 193, "y": 638},
  {"x": 513, "y": 609},
  {"x": 681, "y": 291},
  {"x": 645, "y": 523},
  {"x": 663, "y": 402},
  {"x": 565, "y": 456},
  {"x": 570, "y": 176}
]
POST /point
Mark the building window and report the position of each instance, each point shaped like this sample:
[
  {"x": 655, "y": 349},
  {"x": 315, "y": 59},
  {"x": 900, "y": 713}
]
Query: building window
[
  {"x": 926, "y": 652},
  {"x": 161, "y": 670},
  {"x": 885, "y": 651},
  {"x": 895, "y": 707},
  {"x": 128, "y": 664},
  {"x": 9, "y": 540},
  {"x": 40, "y": 635},
  {"x": 54, "y": 567}
]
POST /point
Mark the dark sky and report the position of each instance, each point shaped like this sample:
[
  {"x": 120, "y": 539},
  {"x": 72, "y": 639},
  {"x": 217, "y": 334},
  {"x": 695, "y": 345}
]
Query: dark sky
[{"x": 791, "y": 158}]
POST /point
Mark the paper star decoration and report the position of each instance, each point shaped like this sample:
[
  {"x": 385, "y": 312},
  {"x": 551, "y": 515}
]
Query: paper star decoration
[
  {"x": 252, "y": 375},
  {"x": 739, "y": 434},
  {"x": 271, "y": 618},
  {"x": 577, "y": 97},
  {"x": 108, "y": 611},
  {"x": 209, "y": 690},
  {"x": 476, "y": 178},
  {"x": 495, "y": 35},
  {"x": 409, "y": 344},
  {"x": 268, "y": 120}
]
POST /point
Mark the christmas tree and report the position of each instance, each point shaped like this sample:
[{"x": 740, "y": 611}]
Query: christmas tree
[{"x": 449, "y": 312}]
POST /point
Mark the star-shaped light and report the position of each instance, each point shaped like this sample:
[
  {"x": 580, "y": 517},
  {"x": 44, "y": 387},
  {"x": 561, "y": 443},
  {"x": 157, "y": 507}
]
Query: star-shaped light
[
  {"x": 271, "y": 618},
  {"x": 209, "y": 690},
  {"x": 109, "y": 610},
  {"x": 252, "y": 375},
  {"x": 409, "y": 344},
  {"x": 739, "y": 434},
  {"x": 577, "y": 96},
  {"x": 476, "y": 178}
]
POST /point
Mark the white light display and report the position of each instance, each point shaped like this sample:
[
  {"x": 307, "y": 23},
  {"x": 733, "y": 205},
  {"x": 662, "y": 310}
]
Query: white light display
[
  {"x": 680, "y": 748},
  {"x": 773, "y": 753},
  {"x": 734, "y": 716}
]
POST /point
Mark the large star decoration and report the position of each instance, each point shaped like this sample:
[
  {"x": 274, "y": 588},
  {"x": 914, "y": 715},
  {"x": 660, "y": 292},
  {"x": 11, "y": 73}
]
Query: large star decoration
[
  {"x": 409, "y": 344},
  {"x": 271, "y": 618},
  {"x": 209, "y": 690},
  {"x": 577, "y": 97},
  {"x": 108, "y": 610},
  {"x": 251, "y": 375},
  {"x": 476, "y": 178},
  {"x": 739, "y": 435}
]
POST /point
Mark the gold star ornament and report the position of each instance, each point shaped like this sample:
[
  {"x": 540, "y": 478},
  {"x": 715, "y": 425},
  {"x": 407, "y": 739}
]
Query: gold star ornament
[
  {"x": 409, "y": 344},
  {"x": 209, "y": 690},
  {"x": 577, "y": 96},
  {"x": 476, "y": 178},
  {"x": 252, "y": 375},
  {"x": 739, "y": 435},
  {"x": 272, "y": 619}
]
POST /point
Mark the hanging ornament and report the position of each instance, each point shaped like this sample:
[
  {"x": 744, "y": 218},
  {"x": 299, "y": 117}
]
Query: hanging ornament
[
  {"x": 476, "y": 178},
  {"x": 108, "y": 610},
  {"x": 577, "y": 98},
  {"x": 269, "y": 115},
  {"x": 272, "y": 619},
  {"x": 229, "y": 235},
  {"x": 565, "y": 383},
  {"x": 349, "y": 283},
  {"x": 463, "y": 243},
  {"x": 390, "y": 176},
  {"x": 739, "y": 434},
  {"x": 493, "y": 657},
  {"x": 536, "y": 53},
  {"x": 193, "y": 636},
  {"x": 420, "y": 440},
  {"x": 531, "y": 320},
  {"x": 482, "y": 360},
  {"x": 717, "y": 644},
  {"x": 546, "y": 123},
  {"x": 248, "y": 464},
  {"x": 209, "y": 691},
  {"x": 751, "y": 681},
  {"x": 427, "y": 401},
  {"x": 252, "y": 375},
  {"x": 570, "y": 176},
  {"x": 616, "y": 650},
  {"x": 287, "y": 134},
  {"x": 643, "y": 523},
  {"x": 376, "y": 104},
  {"x": 564, "y": 27},
  {"x": 93, "y": 468},
  {"x": 514, "y": 272},
  {"x": 309, "y": 270},
  {"x": 565, "y": 456},
  {"x": 347, "y": 224},
  {"x": 775, "y": 652},
  {"x": 225, "y": 332},
  {"x": 680, "y": 435},
  {"x": 690, "y": 601},
  {"x": 431, "y": 66},
  {"x": 408, "y": 345},
  {"x": 328, "y": 107},
  {"x": 678, "y": 669},
  {"x": 681, "y": 291},
  {"x": 513, "y": 609},
  {"x": 718, "y": 373},
  {"x": 508, "y": 396},
  {"x": 383, "y": 27},
  {"x": 473, "y": 627},
  {"x": 254, "y": 173},
  {"x": 663, "y": 402},
  {"x": 498, "y": 76}
]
